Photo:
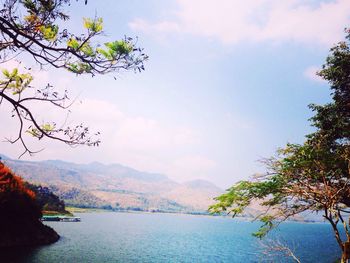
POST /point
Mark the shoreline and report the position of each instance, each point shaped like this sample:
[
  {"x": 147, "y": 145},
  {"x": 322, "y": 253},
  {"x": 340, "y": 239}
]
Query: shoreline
[{"x": 73, "y": 210}]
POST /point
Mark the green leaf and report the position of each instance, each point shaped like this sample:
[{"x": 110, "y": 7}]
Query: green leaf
[
  {"x": 6, "y": 73},
  {"x": 267, "y": 226},
  {"x": 49, "y": 32},
  {"x": 94, "y": 25},
  {"x": 104, "y": 53},
  {"x": 34, "y": 132},
  {"x": 88, "y": 50},
  {"x": 14, "y": 73},
  {"x": 29, "y": 4},
  {"x": 73, "y": 43},
  {"x": 119, "y": 47},
  {"x": 79, "y": 68},
  {"x": 47, "y": 127}
]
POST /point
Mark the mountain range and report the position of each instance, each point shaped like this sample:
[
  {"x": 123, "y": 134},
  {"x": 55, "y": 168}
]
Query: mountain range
[{"x": 115, "y": 186}]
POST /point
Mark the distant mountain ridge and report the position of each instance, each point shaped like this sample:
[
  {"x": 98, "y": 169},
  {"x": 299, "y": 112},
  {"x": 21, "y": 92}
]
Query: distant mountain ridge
[{"x": 116, "y": 186}]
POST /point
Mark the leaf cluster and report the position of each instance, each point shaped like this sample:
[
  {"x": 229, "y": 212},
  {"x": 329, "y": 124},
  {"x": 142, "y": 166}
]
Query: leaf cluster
[
  {"x": 35, "y": 27},
  {"x": 313, "y": 176}
]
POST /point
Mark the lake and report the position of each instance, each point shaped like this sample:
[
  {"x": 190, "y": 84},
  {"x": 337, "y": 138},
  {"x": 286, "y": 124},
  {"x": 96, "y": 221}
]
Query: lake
[{"x": 142, "y": 237}]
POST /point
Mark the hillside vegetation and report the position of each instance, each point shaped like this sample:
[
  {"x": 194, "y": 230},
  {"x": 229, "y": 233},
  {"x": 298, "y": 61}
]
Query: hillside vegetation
[
  {"x": 48, "y": 202},
  {"x": 117, "y": 187},
  {"x": 20, "y": 223}
]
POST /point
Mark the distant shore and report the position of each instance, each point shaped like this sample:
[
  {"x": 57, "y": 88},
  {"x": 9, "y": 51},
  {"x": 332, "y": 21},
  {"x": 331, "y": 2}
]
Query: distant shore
[{"x": 73, "y": 210}]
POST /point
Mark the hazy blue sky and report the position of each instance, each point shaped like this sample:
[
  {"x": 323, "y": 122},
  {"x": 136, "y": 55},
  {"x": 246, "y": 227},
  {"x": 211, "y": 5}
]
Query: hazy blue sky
[{"x": 227, "y": 83}]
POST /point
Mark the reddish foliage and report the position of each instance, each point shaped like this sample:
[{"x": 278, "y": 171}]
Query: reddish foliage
[
  {"x": 20, "y": 223},
  {"x": 9, "y": 182}
]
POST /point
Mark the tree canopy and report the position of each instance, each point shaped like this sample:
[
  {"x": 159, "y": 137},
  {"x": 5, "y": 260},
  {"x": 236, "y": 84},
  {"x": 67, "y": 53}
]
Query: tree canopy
[
  {"x": 313, "y": 176},
  {"x": 37, "y": 28},
  {"x": 20, "y": 214}
]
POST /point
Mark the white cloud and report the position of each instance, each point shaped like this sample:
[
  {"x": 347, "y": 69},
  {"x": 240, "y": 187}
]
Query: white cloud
[
  {"x": 310, "y": 73},
  {"x": 129, "y": 132},
  {"x": 164, "y": 26},
  {"x": 143, "y": 143},
  {"x": 232, "y": 21}
]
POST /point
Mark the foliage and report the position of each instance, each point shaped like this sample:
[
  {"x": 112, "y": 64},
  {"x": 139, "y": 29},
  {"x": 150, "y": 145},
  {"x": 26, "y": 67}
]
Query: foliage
[
  {"x": 46, "y": 199},
  {"x": 313, "y": 176},
  {"x": 78, "y": 198},
  {"x": 277, "y": 248},
  {"x": 40, "y": 198},
  {"x": 16, "y": 200},
  {"x": 20, "y": 214},
  {"x": 35, "y": 27}
]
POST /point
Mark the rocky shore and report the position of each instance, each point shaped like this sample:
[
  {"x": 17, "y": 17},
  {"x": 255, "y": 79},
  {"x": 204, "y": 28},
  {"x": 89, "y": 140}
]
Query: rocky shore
[{"x": 28, "y": 235}]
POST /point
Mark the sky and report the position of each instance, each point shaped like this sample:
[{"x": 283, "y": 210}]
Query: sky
[{"x": 227, "y": 83}]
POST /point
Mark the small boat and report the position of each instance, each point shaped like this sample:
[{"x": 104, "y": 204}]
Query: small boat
[
  {"x": 61, "y": 218},
  {"x": 70, "y": 219}
]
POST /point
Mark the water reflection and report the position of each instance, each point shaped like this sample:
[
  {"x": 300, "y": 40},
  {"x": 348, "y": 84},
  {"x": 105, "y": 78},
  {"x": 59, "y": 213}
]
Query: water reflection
[{"x": 17, "y": 255}]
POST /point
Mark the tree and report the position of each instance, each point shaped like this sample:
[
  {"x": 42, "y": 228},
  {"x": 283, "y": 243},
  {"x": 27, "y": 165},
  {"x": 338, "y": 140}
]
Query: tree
[
  {"x": 36, "y": 27},
  {"x": 273, "y": 248},
  {"x": 20, "y": 223},
  {"x": 313, "y": 176}
]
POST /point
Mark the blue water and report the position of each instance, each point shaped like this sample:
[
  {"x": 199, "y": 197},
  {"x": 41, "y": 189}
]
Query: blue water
[{"x": 132, "y": 237}]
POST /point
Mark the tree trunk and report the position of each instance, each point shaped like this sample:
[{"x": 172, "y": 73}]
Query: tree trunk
[
  {"x": 345, "y": 252},
  {"x": 344, "y": 258}
]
